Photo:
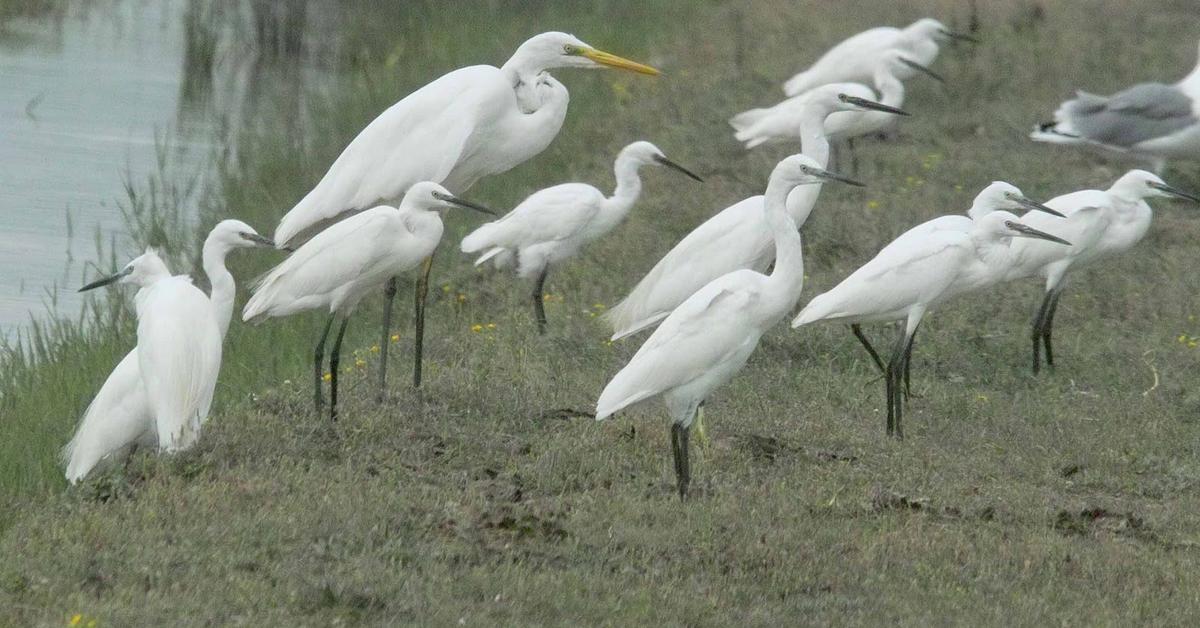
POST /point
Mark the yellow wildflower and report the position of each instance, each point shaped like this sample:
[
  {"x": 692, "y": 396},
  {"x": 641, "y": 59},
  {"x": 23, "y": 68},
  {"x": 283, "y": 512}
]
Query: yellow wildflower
[
  {"x": 476, "y": 328},
  {"x": 872, "y": 204},
  {"x": 491, "y": 325},
  {"x": 395, "y": 337},
  {"x": 374, "y": 348},
  {"x": 461, "y": 298},
  {"x": 360, "y": 362},
  {"x": 327, "y": 376},
  {"x": 75, "y": 619}
]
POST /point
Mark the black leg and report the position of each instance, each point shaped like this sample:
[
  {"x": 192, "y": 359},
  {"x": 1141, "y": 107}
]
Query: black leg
[
  {"x": 892, "y": 376},
  {"x": 389, "y": 295},
  {"x": 908, "y": 366},
  {"x": 902, "y": 396},
  {"x": 1039, "y": 322},
  {"x": 335, "y": 357},
  {"x": 419, "y": 311},
  {"x": 1048, "y": 325},
  {"x": 318, "y": 399},
  {"x": 853, "y": 156},
  {"x": 539, "y": 305},
  {"x": 679, "y": 446},
  {"x": 858, "y": 333}
]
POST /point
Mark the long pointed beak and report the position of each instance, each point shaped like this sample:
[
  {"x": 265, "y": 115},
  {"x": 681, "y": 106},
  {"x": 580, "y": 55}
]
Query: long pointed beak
[
  {"x": 863, "y": 103},
  {"x": 99, "y": 283},
  {"x": 676, "y": 167},
  {"x": 613, "y": 61},
  {"x": 923, "y": 70},
  {"x": 259, "y": 240},
  {"x": 1029, "y": 203},
  {"x": 1175, "y": 192},
  {"x": 960, "y": 36},
  {"x": 833, "y": 176},
  {"x": 454, "y": 200},
  {"x": 1025, "y": 231}
]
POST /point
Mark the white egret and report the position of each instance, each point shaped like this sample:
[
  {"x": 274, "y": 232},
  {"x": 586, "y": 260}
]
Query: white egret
[
  {"x": 911, "y": 276},
  {"x": 804, "y": 117},
  {"x": 1100, "y": 223},
  {"x": 736, "y": 238},
  {"x": 178, "y": 350},
  {"x": 709, "y": 337},
  {"x": 852, "y": 60},
  {"x": 553, "y": 224},
  {"x": 119, "y": 417},
  {"x": 1153, "y": 122},
  {"x": 338, "y": 267},
  {"x": 471, "y": 123}
]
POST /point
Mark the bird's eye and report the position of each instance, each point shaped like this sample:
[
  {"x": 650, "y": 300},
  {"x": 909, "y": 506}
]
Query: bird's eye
[{"x": 569, "y": 49}]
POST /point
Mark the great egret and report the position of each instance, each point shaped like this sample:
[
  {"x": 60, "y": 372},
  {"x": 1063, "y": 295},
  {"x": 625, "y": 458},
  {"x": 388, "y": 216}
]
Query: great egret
[
  {"x": 997, "y": 196},
  {"x": 1100, "y": 223},
  {"x": 553, "y": 224},
  {"x": 471, "y": 123},
  {"x": 736, "y": 238},
  {"x": 1149, "y": 121},
  {"x": 339, "y": 266},
  {"x": 119, "y": 416},
  {"x": 178, "y": 349},
  {"x": 709, "y": 337},
  {"x": 911, "y": 276},
  {"x": 852, "y": 60}
]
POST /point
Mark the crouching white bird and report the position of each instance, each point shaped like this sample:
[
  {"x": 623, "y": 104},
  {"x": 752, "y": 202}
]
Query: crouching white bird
[
  {"x": 704, "y": 342},
  {"x": 339, "y": 266},
  {"x": 852, "y": 59},
  {"x": 911, "y": 276},
  {"x": 471, "y": 123},
  {"x": 1100, "y": 224},
  {"x": 1152, "y": 122},
  {"x": 552, "y": 225},
  {"x": 119, "y": 417}
]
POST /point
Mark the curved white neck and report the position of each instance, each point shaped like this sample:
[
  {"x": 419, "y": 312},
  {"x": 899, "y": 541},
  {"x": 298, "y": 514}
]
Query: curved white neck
[
  {"x": 891, "y": 90},
  {"x": 788, "y": 276},
  {"x": 223, "y": 288},
  {"x": 813, "y": 141}
]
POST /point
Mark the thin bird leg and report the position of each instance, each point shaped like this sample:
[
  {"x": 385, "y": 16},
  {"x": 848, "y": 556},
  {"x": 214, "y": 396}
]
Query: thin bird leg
[
  {"x": 318, "y": 398},
  {"x": 335, "y": 356},
  {"x": 1048, "y": 326},
  {"x": 419, "y": 310},
  {"x": 908, "y": 366},
  {"x": 676, "y": 455},
  {"x": 858, "y": 333},
  {"x": 539, "y": 305},
  {"x": 679, "y": 444},
  {"x": 909, "y": 337},
  {"x": 698, "y": 425},
  {"x": 389, "y": 295},
  {"x": 891, "y": 383},
  {"x": 1039, "y": 322},
  {"x": 853, "y": 155}
]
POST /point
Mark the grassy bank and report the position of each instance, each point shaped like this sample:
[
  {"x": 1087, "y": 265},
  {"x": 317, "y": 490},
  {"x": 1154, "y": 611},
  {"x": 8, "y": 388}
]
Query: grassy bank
[{"x": 1071, "y": 498}]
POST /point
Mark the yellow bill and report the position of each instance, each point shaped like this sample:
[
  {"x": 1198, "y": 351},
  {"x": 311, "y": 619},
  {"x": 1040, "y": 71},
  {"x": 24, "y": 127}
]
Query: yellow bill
[{"x": 613, "y": 61}]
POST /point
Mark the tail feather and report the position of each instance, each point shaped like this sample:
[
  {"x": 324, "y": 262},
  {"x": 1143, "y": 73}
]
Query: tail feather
[
  {"x": 489, "y": 255},
  {"x": 482, "y": 238},
  {"x": 746, "y": 119},
  {"x": 796, "y": 85}
]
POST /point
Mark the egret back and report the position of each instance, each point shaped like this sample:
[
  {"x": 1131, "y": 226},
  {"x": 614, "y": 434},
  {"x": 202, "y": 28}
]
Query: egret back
[
  {"x": 851, "y": 60},
  {"x": 118, "y": 416}
]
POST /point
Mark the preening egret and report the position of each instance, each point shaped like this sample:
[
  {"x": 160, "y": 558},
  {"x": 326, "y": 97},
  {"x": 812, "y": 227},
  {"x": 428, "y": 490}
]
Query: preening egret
[
  {"x": 178, "y": 349},
  {"x": 738, "y": 237},
  {"x": 709, "y": 337},
  {"x": 997, "y": 196},
  {"x": 1100, "y": 223},
  {"x": 912, "y": 275},
  {"x": 119, "y": 416},
  {"x": 852, "y": 60},
  {"x": 1149, "y": 121},
  {"x": 553, "y": 224},
  {"x": 340, "y": 265},
  {"x": 471, "y": 123}
]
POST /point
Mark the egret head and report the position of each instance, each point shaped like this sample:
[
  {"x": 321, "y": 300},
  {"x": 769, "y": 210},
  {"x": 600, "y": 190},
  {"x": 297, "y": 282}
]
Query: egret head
[
  {"x": 1140, "y": 184},
  {"x": 645, "y": 153},
  {"x": 560, "y": 50},
  {"x": 1003, "y": 226},
  {"x": 800, "y": 170},
  {"x": 235, "y": 234},
  {"x": 847, "y": 102},
  {"x": 931, "y": 29},
  {"x": 429, "y": 196},
  {"x": 1001, "y": 196},
  {"x": 144, "y": 270}
]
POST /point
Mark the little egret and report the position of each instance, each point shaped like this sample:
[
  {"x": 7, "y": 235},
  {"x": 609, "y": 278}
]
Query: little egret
[
  {"x": 553, "y": 224},
  {"x": 736, "y": 238},
  {"x": 787, "y": 120},
  {"x": 178, "y": 349},
  {"x": 852, "y": 60},
  {"x": 338, "y": 267},
  {"x": 1100, "y": 223},
  {"x": 119, "y": 416},
  {"x": 471, "y": 123},
  {"x": 709, "y": 337},
  {"x": 912, "y": 275},
  {"x": 1151, "y": 122}
]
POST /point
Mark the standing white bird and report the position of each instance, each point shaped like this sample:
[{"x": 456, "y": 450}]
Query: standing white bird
[
  {"x": 852, "y": 60},
  {"x": 339, "y": 266},
  {"x": 908, "y": 278},
  {"x": 471, "y": 123},
  {"x": 554, "y": 224},
  {"x": 1100, "y": 223},
  {"x": 709, "y": 337},
  {"x": 738, "y": 237},
  {"x": 804, "y": 117},
  {"x": 120, "y": 418},
  {"x": 178, "y": 350},
  {"x": 1153, "y": 122}
]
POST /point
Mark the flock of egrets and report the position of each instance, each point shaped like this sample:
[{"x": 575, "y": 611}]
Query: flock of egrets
[{"x": 376, "y": 214}]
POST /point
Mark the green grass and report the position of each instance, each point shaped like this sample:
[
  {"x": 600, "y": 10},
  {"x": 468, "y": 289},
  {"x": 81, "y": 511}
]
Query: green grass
[{"x": 1069, "y": 498}]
